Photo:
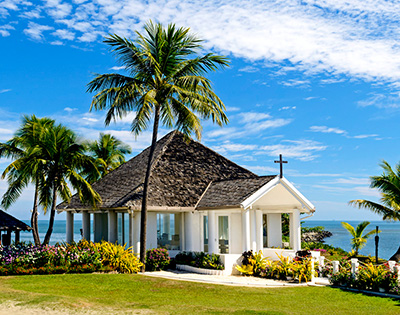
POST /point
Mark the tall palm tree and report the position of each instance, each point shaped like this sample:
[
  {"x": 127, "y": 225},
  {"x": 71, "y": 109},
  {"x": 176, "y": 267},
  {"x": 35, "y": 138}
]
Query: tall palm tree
[
  {"x": 108, "y": 152},
  {"x": 166, "y": 84},
  {"x": 25, "y": 168},
  {"x": 65, "y": 159},
  {"x": 359, "y": 240},
  {"x": 388, "y": 185}
]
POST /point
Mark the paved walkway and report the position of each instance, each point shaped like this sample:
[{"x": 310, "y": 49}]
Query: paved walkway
[{"x": 230, "y": 280}]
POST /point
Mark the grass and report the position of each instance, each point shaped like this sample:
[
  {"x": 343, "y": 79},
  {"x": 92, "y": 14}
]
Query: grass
[{"x": 124, "y": 293}]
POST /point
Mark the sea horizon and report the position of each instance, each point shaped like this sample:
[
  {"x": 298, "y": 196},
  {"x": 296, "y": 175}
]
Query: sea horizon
[{"x": 389, "y": 238}]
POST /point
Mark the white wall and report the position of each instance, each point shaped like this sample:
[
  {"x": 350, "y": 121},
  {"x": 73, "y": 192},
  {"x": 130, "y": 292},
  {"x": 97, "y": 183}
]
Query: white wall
[
  {"x": 274, "y": 230},
  {"x": 235, "y": 243}
]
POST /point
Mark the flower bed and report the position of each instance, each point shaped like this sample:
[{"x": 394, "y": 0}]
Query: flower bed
[
  {"x": 82, "y": 257},
  {"x": 254, "y": 264},
  {"x": 199, "y": 260},
  {"x": 378, "y": 278}
]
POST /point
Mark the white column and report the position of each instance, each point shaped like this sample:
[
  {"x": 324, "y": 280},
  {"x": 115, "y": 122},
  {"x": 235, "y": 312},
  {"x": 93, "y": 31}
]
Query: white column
[
  {"x": 112, "y": 226},
  {"x": 86, "y": 225},
  {"x": 259, "y": 230},
  {"x": 246, "y": 229},
  {"x": 188, "y": 231},
  {"x": 253, "y": 229},
  {"x": 212, "y": 233},
  {"x": 70, "y": 226},
  {"x": 290, "y": 230},
  {"x": 136, "y": 232},
  {"x": 296, "y": 230},
  {"x": 130, "y": 244}
]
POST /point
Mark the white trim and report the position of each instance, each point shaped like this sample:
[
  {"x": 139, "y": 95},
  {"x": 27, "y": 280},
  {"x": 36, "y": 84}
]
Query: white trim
[
  {"x": 298, "y": 194},
  {"x": 270, "y": 185},
  {"x": 259, "y": 193}
]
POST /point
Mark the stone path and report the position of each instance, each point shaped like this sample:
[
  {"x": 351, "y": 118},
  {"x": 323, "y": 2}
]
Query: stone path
[{"x": 230, "y": 280}]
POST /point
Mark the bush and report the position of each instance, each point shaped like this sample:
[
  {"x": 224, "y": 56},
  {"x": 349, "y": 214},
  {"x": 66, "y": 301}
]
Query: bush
[
  {"x": 199, "y": 260},
  {"x": 117, "y": 257},
  {"x": 157, "y": 259}
]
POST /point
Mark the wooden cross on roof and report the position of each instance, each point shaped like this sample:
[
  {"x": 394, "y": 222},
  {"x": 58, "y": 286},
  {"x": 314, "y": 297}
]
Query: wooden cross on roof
[{"x": 281, "y": 161}]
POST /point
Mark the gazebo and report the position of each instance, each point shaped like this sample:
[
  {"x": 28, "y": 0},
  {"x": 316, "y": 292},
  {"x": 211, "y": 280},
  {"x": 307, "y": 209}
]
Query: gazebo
[{"x": 10, "y": 224}]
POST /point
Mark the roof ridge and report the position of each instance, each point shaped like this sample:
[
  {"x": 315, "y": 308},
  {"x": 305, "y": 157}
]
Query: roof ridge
[{"x": 202, "y": 195}]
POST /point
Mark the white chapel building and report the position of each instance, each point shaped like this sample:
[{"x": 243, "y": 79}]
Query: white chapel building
[{"x": 198, "y": 201}]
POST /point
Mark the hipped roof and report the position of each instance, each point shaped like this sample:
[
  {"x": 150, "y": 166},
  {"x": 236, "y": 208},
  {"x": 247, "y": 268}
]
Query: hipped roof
[
  {"x": 185, "y": 173},
  {"x": 9, "y": 223}
]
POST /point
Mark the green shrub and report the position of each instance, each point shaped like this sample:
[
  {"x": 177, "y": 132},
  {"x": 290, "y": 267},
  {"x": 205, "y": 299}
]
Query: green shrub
[
  {"x": 157, "y": 259},
  {"x": 200, "y": 260}
]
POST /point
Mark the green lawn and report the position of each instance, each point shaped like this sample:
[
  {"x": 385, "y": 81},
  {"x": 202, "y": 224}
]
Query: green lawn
[{"x": 120, "y": 292}]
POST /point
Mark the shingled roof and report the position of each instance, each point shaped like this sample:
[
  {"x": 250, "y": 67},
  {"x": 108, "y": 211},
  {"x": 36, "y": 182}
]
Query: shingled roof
[
  {"x": 182, "y": 171},
  {"x": 9, "y": 223},
  {"x": 231, "y": 193}
]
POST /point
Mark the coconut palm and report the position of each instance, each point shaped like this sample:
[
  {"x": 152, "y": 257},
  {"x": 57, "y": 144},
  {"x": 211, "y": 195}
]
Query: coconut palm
[
  {"x": 388, "y": 185},
  {"x": 359, "y": 240},
  {"x": 25, "y": 169},
  {"x": 108, "y": 152},
  {"x": 65, "y": 159},
  {"x": 51, "y": 157},
  {"x": 165, "y": 84}
]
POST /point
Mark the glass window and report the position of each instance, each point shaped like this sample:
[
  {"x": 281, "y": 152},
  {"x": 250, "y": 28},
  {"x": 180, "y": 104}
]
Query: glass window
[
  {"x": 121, "y": 228},
  {"x": 168, "y": 230},
  {"x": 223, "y": 234}
]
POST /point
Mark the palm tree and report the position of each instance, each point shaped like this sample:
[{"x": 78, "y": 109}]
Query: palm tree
[
  {"x": 166, "y": 83},
  {"x": 359, "y": 240},
  {"x": 108, "y": 152},
  {"x": 65, "y": 159},
  {"x": 388, "y": 185},
  {"x": 25, "y": 169}
]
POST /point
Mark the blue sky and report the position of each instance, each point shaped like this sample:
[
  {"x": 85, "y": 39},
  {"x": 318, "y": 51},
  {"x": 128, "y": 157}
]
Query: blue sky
[{"x": 317, "y": 81}]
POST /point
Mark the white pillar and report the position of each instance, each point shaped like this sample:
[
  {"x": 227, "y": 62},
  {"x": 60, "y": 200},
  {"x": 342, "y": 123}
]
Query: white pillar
[
  {"x": 86, "y": 225},
  {"x": 246, "y": 229},
  {"x": 253, "y": 230},
  {"x": 259, "y": 230},
  {"x": 290, "y": 230},
  {"x": 212, "y": 233},
  {"x": 130, "y": 244},
  {"x": 296, "y": 230},
  {"x": 136, "y": 232},
  {"x": 335, "y": 266},
  {"x": 354, "y": 266},
  {"x": 112, "y": 226},
  {"x": 189, "y": 231},
  {"x": 70, "y": 226}
]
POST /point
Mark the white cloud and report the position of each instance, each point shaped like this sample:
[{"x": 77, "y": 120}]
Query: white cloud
[
  {"x": 249, "y": 69},
  {"x": 232, "y": 109},
  {"x": 333, "y": 37},
  {"x": 303, "y": 150},
  {"x": 64, "y": 34},
  {"x": 294, "y": 83},
  {"x": 117, "y": 68},
  {"x": 35, "y": 31},
  {"x": 5, "y": 91},
  {"x": 366, "y": 136},
  {"x": 253, "y": 117},
  {"x": 325, "y": 129},
  {"x": 57, "y": 43},
  {"x": 69, "y": 109},
  {"x": 4, "y": 30},
  {"x": 381, "y": 101}
]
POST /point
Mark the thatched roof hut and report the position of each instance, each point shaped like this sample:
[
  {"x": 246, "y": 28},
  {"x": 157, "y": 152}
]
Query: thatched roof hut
[{"x": 9, "y": 224}]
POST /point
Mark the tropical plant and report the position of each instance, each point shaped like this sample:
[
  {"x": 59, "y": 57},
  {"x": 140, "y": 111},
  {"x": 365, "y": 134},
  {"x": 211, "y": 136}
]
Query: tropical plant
[
  {"x": 108, "y": 153},
  {"x": 166, "y": 84},
  {"x": 359, "y": 240},
  {"x": 388, "y": 184},
  {"x": 26, "y": 167},
  {"x": 157, "y": 259}
]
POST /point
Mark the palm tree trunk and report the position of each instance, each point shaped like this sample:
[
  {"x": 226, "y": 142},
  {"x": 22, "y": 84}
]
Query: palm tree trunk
[
  {"x": 52, "y": 215},
  {"x": 143, "y": 217},
  {"x": 34, "y": 217},
  {"x": 396, "y": 256}
]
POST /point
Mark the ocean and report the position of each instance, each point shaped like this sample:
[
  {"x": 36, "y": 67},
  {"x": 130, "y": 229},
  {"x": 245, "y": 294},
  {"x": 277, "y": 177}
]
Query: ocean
[{"x": 389, "y": 238}]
